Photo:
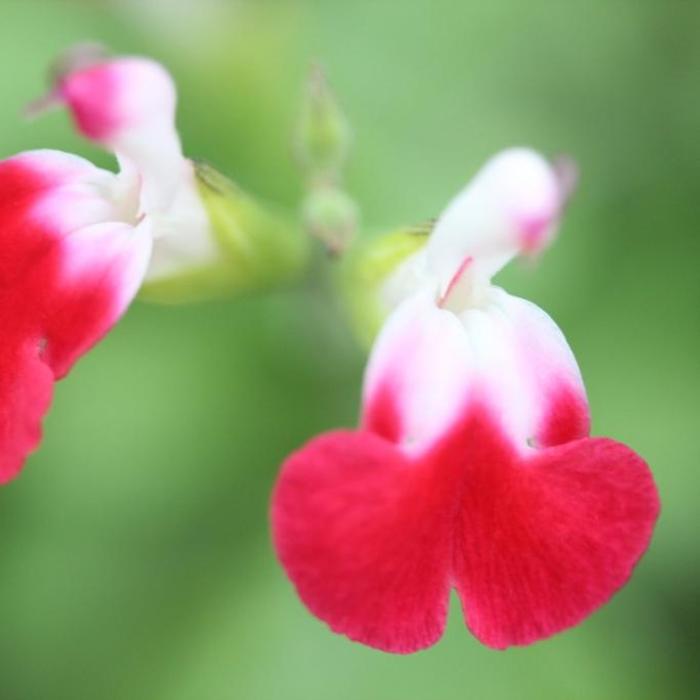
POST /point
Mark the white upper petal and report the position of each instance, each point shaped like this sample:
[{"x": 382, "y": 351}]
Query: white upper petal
[{"x": 511, "y": 206}]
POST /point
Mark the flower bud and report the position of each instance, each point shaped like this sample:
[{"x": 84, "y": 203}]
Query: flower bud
[
  {"x": 323, "y": 136},
  {"x": 331, "y": 216},
  {"x": 256, "y": 247}
]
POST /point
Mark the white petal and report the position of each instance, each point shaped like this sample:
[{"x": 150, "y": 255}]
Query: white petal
[
  {"x": 511, "y": 206},
  {"x": 75, "y": 193},
  {"x": 184, "y": 238},
  {"x": 424, "y": 359},
  {"x": 506, "y": 353}
]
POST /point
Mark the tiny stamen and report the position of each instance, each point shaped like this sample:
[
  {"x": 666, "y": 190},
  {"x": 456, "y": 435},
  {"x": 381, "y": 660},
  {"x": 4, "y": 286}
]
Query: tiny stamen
[{"x": 442, "y": 300}]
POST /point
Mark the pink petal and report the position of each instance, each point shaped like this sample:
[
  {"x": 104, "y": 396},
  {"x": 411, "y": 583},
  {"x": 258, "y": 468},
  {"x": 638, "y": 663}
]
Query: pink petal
[
  {"x": 127, "y": 105},
  {"x": 61, "y": 288},
  {"x": 112, "y": 99}
]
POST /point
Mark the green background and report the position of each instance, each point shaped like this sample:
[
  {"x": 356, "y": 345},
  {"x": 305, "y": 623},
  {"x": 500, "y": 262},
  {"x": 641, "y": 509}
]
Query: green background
[{"x": 134, "y": 554}]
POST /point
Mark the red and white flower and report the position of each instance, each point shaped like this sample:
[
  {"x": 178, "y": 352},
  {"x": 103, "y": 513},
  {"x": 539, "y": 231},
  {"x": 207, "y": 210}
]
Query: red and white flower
[
  {"x": 127, "y": 106},
  {"x": 473, "y": 468},
  {"x": 77, "y": 241}
]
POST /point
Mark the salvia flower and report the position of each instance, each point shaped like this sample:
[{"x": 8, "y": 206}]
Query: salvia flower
[
  {"x": 473, "y": 468},
  {"x": 78, "y": 241},
  {"x": 127, "y": 106},
  {"x": 210, "y": 239}
]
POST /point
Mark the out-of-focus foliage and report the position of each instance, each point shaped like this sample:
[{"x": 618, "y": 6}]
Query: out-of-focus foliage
[{"x": 134, "y": 557}]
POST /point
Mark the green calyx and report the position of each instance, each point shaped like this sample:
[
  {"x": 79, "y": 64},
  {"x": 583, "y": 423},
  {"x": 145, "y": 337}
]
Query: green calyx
[
  {"x": 258, "y": 247},
  {"x": 367, "y": 268}
]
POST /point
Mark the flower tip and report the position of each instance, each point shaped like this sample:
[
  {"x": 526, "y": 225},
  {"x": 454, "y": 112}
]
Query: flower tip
[
  {"x": 567, "y": 174},
  {"x": 81, "y": 56},
  {"x": 535, "y": 232},
  {"x": 76, "y": 58},
  {"x": 534, "y": 191},
  {"x": 36, "y": 108},
  {"x": 537, "y": 228},
  {"x": 110, "y": 98}
]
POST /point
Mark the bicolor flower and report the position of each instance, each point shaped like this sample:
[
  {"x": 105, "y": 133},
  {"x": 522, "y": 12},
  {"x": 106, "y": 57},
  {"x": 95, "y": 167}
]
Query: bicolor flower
[
  {"x": 472, "y": 468},
  {"x": 210, "y": 239},
  {"x": 79, "y": 241}
]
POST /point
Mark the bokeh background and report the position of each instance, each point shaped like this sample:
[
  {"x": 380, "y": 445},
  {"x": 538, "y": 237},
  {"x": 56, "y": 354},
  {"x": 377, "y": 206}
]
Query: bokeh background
[{"x": 134, "y": 557}]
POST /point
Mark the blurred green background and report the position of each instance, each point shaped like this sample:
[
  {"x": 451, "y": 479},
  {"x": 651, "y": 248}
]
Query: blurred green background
[{"x": 135, "y": 559}]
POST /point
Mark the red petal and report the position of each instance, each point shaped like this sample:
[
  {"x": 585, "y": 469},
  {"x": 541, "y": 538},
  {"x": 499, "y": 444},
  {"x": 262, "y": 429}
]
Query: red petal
[
  {"x": 364, "y": 537},
  {"x": 380, "y": 415},
  {"x": 25, "y": 394},
  {"x": 373, "y": 540},
  {"x": 566, "y": 418},
  {"x": 61, "y": 289},
  {"x": 543, "y": 542}
]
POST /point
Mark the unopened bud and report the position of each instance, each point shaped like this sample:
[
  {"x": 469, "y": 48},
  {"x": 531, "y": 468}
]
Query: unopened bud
[
  {"x": 331, "y": 216},
  {"x": 323, "y": 136}
]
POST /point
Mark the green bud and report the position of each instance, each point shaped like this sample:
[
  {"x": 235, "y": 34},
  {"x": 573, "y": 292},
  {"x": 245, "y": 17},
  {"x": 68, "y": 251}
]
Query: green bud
[
  {"x": 367, "y": 268},
  {"x": 331, "y": 216},
  {"x": 258, "y": 248},
  {"x": 323, "y": 136}
]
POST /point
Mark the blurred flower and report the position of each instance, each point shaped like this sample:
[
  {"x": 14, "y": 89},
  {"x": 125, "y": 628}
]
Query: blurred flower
[
  {"x": 78, "y": 241},
  {"x": 472, "y": 468},
  {"x": 75, "y": 249},
  {"x": 200, "y": 249}
]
